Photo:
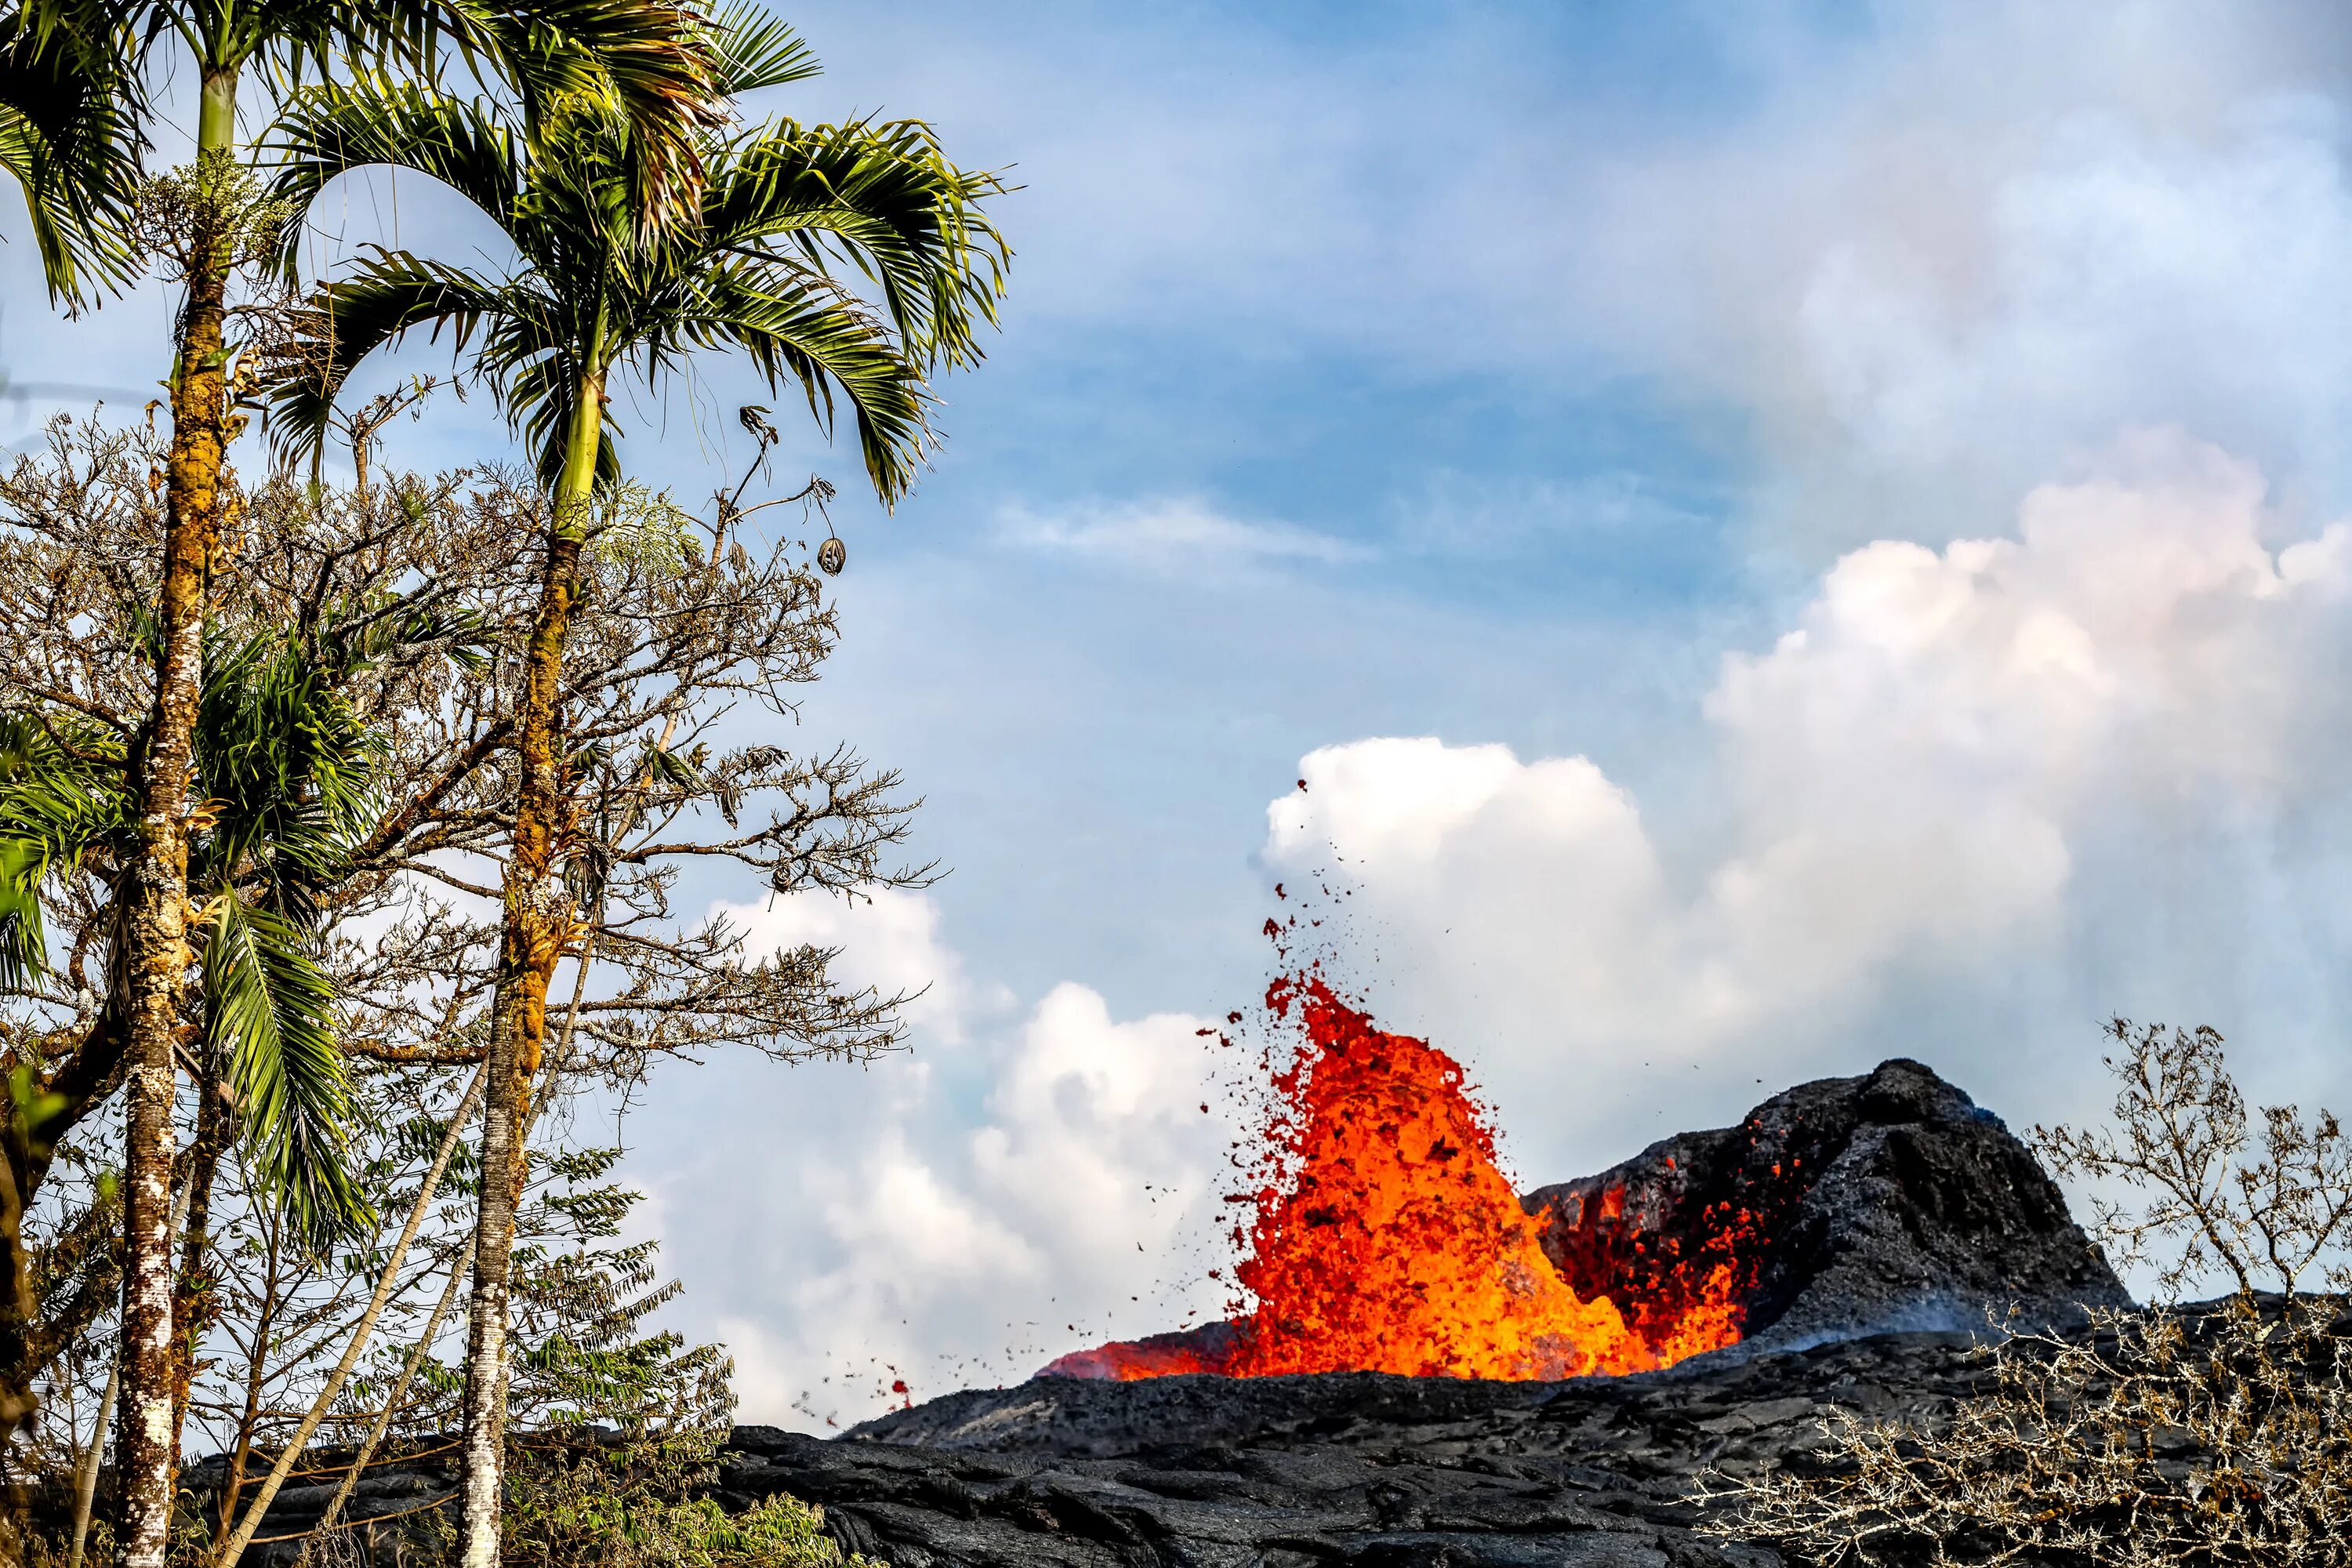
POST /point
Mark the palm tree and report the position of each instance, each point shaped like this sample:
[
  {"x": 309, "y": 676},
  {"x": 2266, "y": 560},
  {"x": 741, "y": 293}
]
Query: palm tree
[
  {"x": 633, "y": 58},
  {"x": 785, "y": 213},
  {"x": 285, "y": 767}
]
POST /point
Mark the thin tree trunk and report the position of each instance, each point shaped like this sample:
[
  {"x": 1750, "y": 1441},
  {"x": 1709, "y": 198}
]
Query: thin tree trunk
[
  {"x": 256, "y": 1374},
  {"x": 539, "y": 923},
  {"x": 458, "y": 1269},
  {"x": 155, "y": 929},
  {"x": 86, "y": 1484},
  {"x": 386, "y": 1281},
  {"x": 192, "y": 1301}
]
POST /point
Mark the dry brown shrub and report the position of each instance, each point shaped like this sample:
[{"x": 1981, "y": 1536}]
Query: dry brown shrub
[{"x": 2170, "y": 1437}]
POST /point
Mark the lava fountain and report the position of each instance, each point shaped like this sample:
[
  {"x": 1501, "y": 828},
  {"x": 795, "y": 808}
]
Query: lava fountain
[{"x": 1383, "y": 1237}]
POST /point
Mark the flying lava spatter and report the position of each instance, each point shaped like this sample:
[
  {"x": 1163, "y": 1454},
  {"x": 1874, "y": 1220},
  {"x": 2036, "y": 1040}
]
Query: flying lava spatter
[{"x": 1383, "y": 1237}]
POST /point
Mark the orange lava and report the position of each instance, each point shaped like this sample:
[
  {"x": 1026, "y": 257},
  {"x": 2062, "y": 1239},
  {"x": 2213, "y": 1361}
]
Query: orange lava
[{"x": 1384, "y": 1238}]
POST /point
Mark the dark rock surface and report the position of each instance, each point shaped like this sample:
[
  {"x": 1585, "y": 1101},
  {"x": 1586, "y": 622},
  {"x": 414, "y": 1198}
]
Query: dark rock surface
[
  {"x": 1342, "y": 1469},
  {"x": 1885, "y": 1202}
]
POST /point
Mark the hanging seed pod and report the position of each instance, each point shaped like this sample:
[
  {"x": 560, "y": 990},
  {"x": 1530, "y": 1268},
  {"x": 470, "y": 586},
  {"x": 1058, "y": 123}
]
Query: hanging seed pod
[{"x": 832, "y": 556}]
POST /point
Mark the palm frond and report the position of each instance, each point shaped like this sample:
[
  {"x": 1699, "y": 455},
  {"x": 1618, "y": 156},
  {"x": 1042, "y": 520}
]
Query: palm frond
[
  {"x": 334, "y": 128},
  {"x": 650, "y": 61},
  {"x": 24, "y": 933},
  {"x": 799, "y": 328},
  {"x": 390, "y": 295},
  {"x": 60, "y": 795},
  {"x": 294, "y": 768},
  {"x": 268, "y": 1016},
  {"x": 752, "y": 47},
  {"x": 71, "y": 133},
  {"x": 885, "y": 199}
]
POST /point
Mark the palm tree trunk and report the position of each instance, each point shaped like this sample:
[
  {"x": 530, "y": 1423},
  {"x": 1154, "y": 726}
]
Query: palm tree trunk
[
  {"x": 155, "y": 929},
  {"x": 539, "y": 923}
]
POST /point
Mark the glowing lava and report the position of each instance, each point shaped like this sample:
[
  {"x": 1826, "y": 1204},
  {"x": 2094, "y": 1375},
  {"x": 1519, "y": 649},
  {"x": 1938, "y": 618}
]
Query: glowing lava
[{"x": 1384, "y": 1238}]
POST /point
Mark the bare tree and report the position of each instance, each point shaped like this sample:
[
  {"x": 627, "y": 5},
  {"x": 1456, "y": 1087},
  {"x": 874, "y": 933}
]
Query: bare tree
[{"x": 2175, "y": 1436}]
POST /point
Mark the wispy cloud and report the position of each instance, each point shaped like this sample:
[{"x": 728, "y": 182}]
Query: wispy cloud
[{"x": 1169, "y": 535}]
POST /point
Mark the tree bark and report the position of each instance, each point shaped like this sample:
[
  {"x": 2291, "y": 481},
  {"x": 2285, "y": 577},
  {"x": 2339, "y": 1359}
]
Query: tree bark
[
  {"x": 155, "y": 926},
  {"x": 539, "y": 923}
]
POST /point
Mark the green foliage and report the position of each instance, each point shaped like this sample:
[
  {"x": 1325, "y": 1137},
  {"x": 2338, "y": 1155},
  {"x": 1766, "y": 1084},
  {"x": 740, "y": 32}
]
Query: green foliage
[
  {"x": 284, "y": 772},
  {"x": 269, "y": 1016},
  {"x": 75, "y": 103},
  {"x": 62, "y": 797},
  {"x": 70, "y": 135},
  {"x": 584, "y": 1358},
  {"x": 637, "y": 527},
  {"x": 788, "y": 217},
  {"x": 573, "y": 1516}
]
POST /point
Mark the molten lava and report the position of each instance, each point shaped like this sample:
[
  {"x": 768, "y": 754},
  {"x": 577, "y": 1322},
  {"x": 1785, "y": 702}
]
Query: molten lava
[{"x": 1383, "y": 1237}]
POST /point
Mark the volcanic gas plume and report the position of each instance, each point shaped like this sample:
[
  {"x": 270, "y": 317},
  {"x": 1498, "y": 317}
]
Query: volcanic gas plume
[{"x": 1382, "y": 1236}]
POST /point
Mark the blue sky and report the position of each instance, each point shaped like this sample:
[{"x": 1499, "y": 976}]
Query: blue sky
[{"x": 1554, "y": 425}]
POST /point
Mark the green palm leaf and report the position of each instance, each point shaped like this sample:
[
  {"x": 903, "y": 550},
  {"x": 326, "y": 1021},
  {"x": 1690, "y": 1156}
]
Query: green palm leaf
[
  {"x": 71, "y": 135},
  {"x": 334, "y": 128},
  {"x": 883, "y": 198},
  {"x": 60, "y": 796},
  {"x": 389, "y": 295},
  {"x": 752, "y": 47},
  {"x": 798, "y": 327},
  {"x": 269, "y": 1011},
  {"x": 647, "y": 62}
]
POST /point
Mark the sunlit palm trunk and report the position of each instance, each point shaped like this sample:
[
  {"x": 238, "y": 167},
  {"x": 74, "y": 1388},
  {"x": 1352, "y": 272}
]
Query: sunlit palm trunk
[
  {"x": 155, "y": 929},
  {"x": 538, "y": 923}
]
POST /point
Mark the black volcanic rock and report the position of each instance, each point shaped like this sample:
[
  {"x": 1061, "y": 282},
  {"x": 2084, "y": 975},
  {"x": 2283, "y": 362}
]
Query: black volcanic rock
[
  {"x": 1856, "y": 1207},
  {"x": 1890, "y": 1201},
  {"x": 1359, "y": 1469}
]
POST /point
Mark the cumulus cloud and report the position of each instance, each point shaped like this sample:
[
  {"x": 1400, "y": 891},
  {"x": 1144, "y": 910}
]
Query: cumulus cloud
[
  {"x": 1024, "y": 1183},
  {"x": 1949, "y": 768},
  {"x": 1171, "y": 536}
]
